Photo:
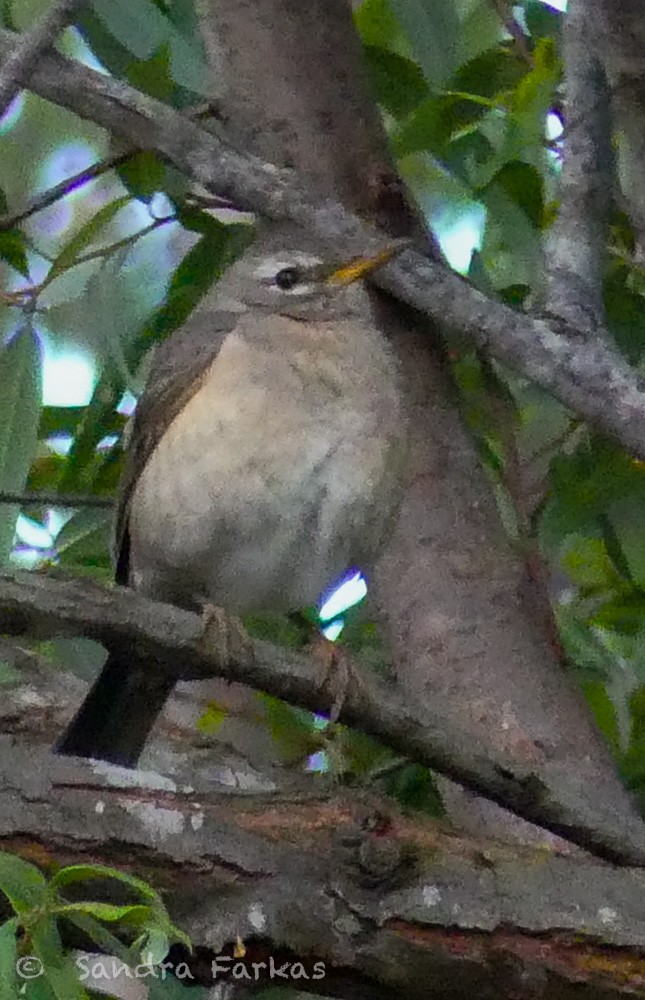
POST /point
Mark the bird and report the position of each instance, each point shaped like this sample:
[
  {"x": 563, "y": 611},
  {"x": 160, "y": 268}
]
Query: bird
[{"x": 264, "y": 459}]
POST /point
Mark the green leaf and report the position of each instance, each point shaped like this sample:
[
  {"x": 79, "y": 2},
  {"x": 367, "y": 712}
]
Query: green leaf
[
  {"x": 143, "y": 174},
  {"x": 22, "y": 883},
  {"x": 154, "y": 76},
  {"x": 625, "y": 314},
  {"x": 8, "y": 673},
  {"x": 525, "y": 187},
  {"x": 532, "y": 99},
  {"x": 480, "y": 29},
  {"x": 86, "y": 534},
  {"x": 542, "y": 20},
  {"x": 362, "y": 753},
  {"x": 292, "y": 729},
  {"x": 603, "y": 712},
  {"x": 196, "y": 273},
  {"x": 141, "y": 27},
  {"x": 85, "y": 236},
  {"x": 13, "y": 250},
  {"x": 432, "y": 31},
  {"x": 128, "y": 39},
  {"x": 80, "y": 467},
  {"x": 627, "y": 517},
  {"x": 45, "y": 940},
  {"x": 377, "y": 24},
  {"x": 153, "y": 945},
  {"x": 415, "y": 789},
  {"x": 63, "y": 979},
  {"x": 490, "y": 74},
  {"x": 398, "y": 83},
  {"x": 59, "y": 420},
  {"x": 20, "y": 401},
  {"x": 512, "y": 247},
  {"x": 134, "y": 915},
  {"x": 428, "y": 127},
  {"x": 8, "y": 957},
  {"x": 624, "y": 613},
  {"x": 159, "y": 918},
  {"x": 100, "y": 935},
  {"x": 84, "y": 873},
  {"x": 211, "y": 720},
  {"x": 582, "y": 645}
]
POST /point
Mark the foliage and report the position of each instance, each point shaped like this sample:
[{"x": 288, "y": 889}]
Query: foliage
[
  {"x": 466, "y": 98},
  {"x": 33, "y": 961}
]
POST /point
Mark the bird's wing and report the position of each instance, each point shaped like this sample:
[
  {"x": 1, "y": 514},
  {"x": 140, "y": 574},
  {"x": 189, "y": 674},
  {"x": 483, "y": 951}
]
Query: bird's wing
[{"x": 178, "y": 367}]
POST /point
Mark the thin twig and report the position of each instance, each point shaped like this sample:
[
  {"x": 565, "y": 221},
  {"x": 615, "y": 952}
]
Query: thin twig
[
  {"x": 515, "y": 31},
  {"x": 70, "y": 184},
  {"x": 121, "y": 244},
  {"x": 31, "y": 45},
  {"x": 65, "y": 187},
  {"x": 42, "y": 498}
]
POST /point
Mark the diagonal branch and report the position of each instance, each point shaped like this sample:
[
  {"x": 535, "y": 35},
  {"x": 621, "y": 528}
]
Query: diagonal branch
[
  {"x": 30, "y": 46},
  {"x": 573, "y": 364},
  {"x": 175, "y": 641},
  {"x": 58, "y": 191}
]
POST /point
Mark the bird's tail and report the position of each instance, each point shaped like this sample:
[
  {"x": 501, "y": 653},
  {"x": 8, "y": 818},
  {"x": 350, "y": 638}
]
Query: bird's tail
[{"x": 114, "y": 721}]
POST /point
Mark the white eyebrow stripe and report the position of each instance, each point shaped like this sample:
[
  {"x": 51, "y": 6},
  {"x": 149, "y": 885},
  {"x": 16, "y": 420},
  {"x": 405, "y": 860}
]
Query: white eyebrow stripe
[{"x": 269, "y": 268}]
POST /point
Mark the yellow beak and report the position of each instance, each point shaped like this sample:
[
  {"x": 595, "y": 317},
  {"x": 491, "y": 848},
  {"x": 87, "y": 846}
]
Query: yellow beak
[{"x": 360, "y": 267}]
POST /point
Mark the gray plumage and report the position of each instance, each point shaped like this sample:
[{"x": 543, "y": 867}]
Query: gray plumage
[{"x": 264, "y": 454}]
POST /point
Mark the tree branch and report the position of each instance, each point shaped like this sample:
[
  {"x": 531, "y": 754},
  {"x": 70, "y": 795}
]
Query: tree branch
[
  {"x": 398, "y": 913},
  {"x": 53, "y": 194},
  {"x": 30, "y": 46},
  {"x": 41, "y": 498},
  {"x": 577, "y": 240},
  {"x": 586, "y": 376},
  {"x": 176, "y": 641}
]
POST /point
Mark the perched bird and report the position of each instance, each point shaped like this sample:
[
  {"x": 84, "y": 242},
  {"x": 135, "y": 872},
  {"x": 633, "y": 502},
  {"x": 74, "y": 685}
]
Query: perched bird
[{"x": 263, "y": 460}]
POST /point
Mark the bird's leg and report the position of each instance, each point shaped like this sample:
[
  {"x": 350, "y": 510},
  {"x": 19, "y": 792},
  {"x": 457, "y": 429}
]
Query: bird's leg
[
  {"x": 335, "y": 667},
  {"x": 223, "y": 634},
  {"x": 336, "y": 671}
]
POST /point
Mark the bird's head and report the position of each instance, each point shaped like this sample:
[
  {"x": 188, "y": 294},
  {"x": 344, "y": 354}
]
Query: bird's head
[{"x": 297, "y": 283}]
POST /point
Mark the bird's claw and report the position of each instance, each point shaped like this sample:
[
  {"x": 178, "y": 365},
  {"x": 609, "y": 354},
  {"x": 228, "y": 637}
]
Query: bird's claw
[{"x": 223, "y": 635}]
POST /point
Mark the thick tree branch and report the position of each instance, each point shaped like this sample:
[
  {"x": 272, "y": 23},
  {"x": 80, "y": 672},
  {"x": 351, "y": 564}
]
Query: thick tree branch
[
  {"x": 29, "y": 47},
  {"x": 302, "y": 879},
  {"x": 577, "y": 240},
  {"x": 585, "y": 375},
  {"x": 175, "y": 641}
]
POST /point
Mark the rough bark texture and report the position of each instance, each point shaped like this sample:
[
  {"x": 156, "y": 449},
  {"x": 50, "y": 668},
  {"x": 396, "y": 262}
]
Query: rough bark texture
[
  {"x": 467, "y": 633},
  {"x": 449, "y": 591},
  {"x": 412, "y": 911},
  {"x": 577, "y": 240}
]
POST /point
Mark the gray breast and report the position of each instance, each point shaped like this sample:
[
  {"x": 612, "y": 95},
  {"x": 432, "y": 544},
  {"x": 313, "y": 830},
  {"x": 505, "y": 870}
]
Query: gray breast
[{"x": 280, "y": 472}]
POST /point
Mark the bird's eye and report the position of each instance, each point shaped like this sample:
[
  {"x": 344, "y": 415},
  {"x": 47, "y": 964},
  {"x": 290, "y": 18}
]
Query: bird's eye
[{"x": 287, "y": 278}]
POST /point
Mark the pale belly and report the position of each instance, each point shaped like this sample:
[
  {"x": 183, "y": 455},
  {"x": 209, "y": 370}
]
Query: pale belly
[{"x": 267, "y": 486}]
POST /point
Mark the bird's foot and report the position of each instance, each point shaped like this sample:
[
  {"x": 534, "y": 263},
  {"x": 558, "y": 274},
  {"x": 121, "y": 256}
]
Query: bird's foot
[
  {"x": 338, "y": 672},
  {"x": 224, "y": 636}
]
